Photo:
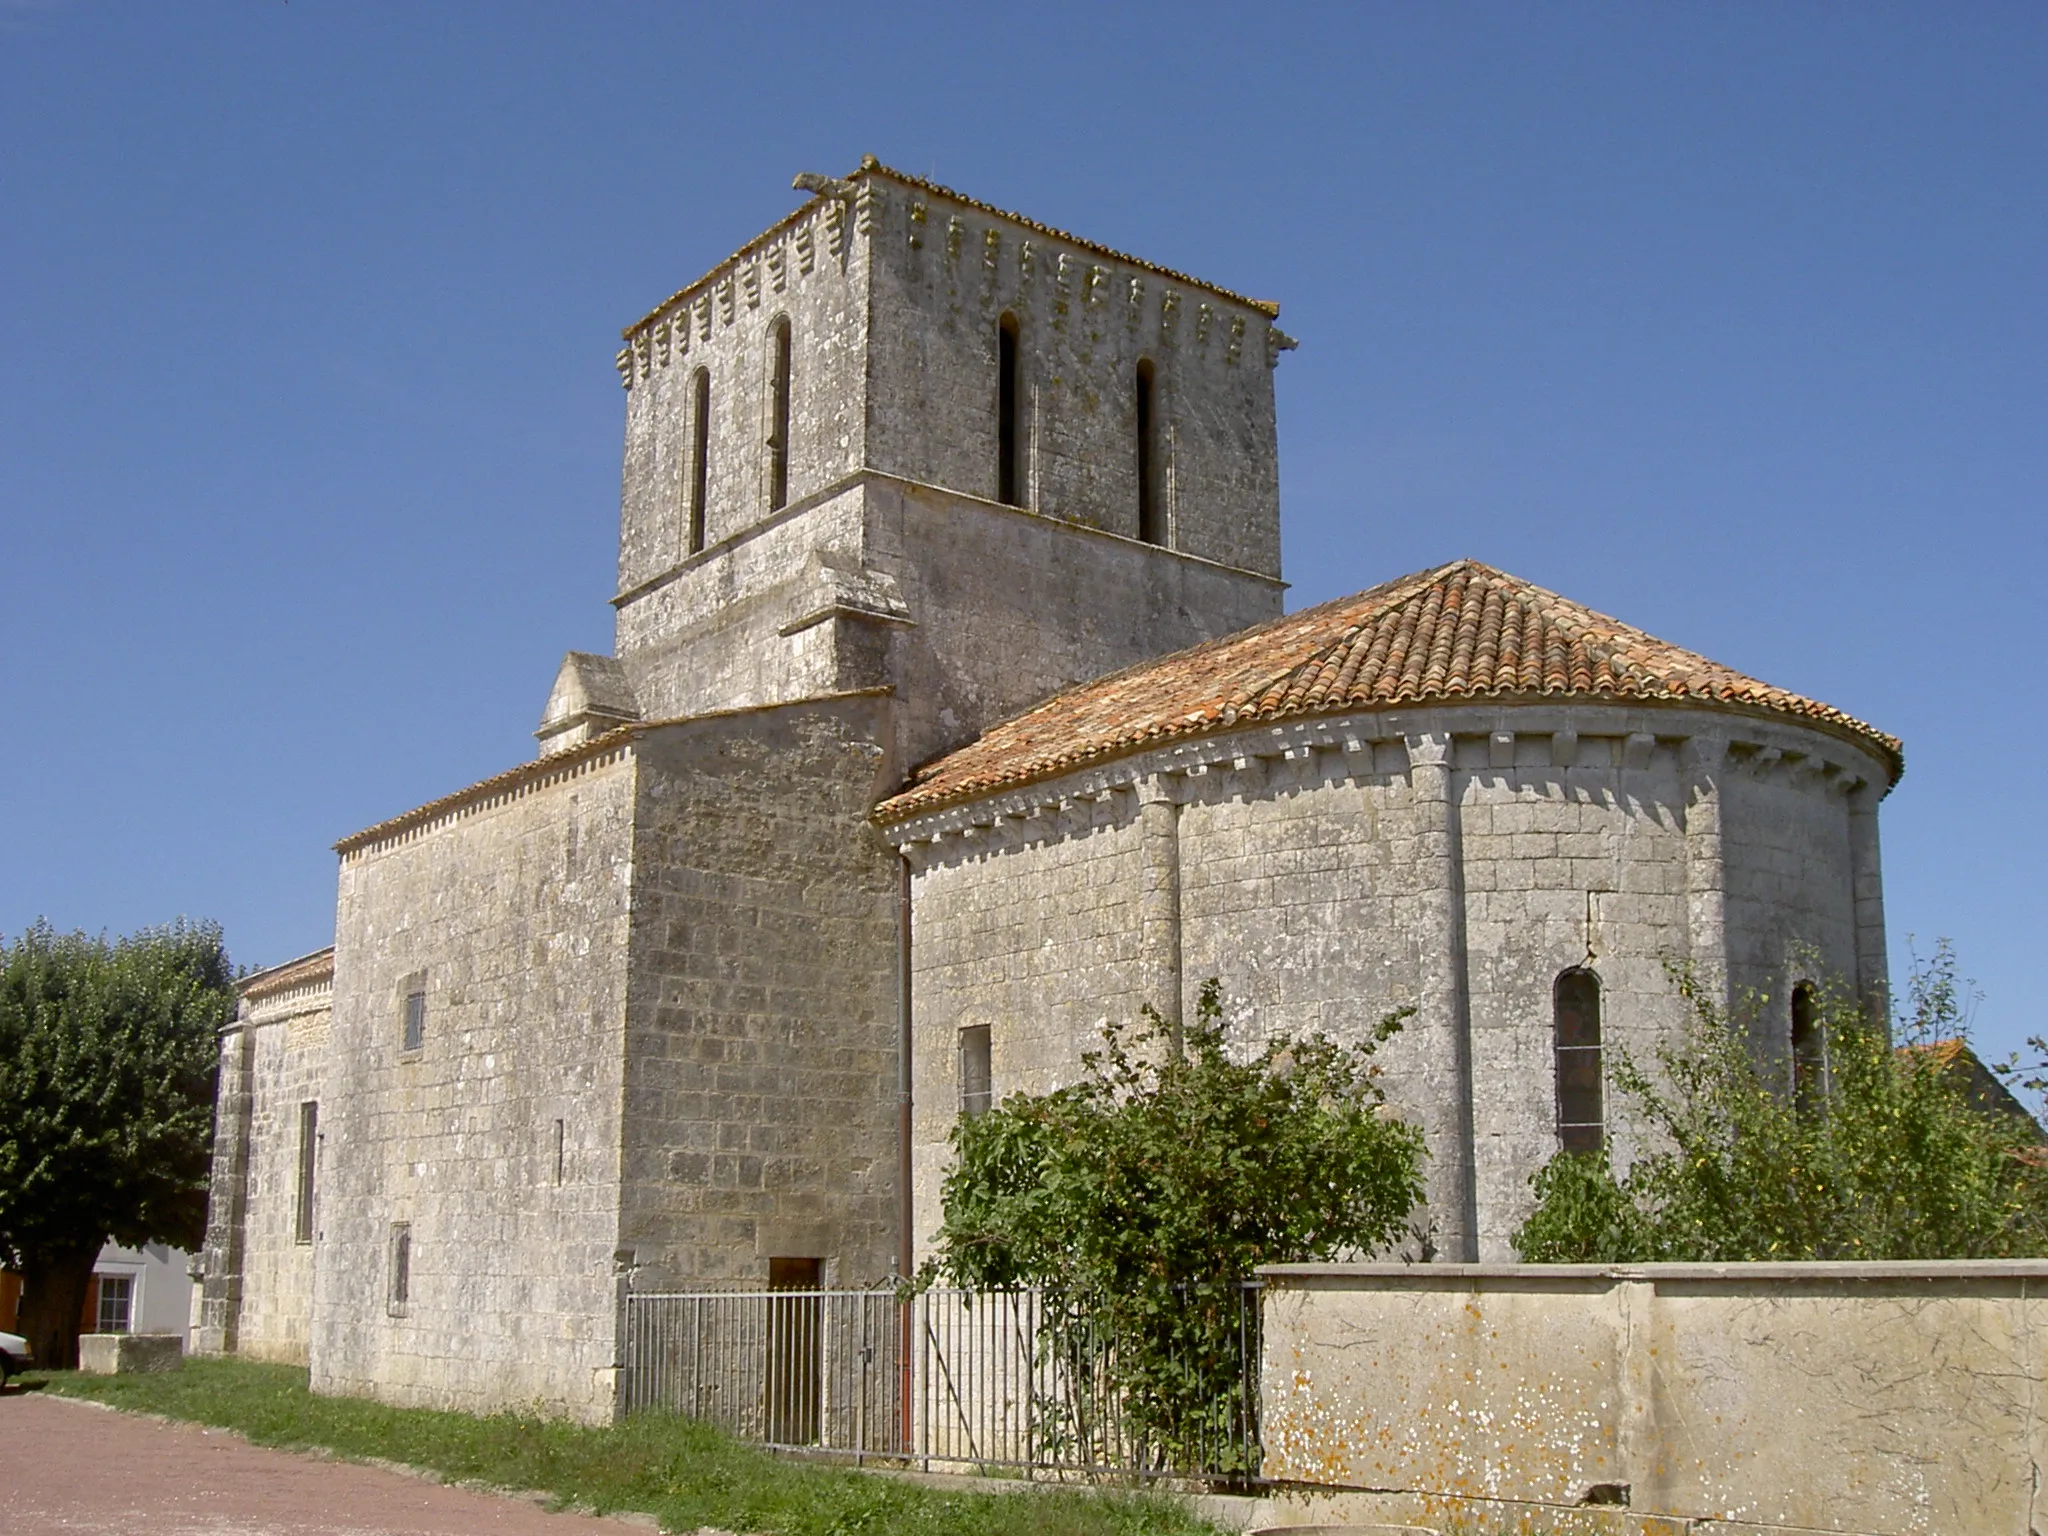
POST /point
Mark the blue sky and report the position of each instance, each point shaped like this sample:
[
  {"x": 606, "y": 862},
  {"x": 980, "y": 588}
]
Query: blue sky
[{"x": 1727, "y": 319}]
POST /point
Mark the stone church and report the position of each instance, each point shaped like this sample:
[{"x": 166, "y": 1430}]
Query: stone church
[{"x": 953, "y": 711}]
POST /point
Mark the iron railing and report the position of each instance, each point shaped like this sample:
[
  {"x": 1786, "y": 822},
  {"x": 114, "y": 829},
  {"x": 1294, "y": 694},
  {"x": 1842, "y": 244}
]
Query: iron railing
[{"x": 995, "y": 1379}]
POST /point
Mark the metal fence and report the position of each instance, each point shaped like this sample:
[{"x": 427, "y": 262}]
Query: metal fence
[{"x": 997, "y": 1379}]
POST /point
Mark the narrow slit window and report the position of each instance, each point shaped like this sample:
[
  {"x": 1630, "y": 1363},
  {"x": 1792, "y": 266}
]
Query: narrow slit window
[
  {"x": 416, "y": 1015},
  {"x": 1809, "y": 1054},
  {"x": 977, "y": 1083},
  {"x": 700, "y": 455},
  {"x": 1148, "y": 469},
  {"x": 1581, "y": 1125},
  {"x": 401, "y": 1265},
  {"x": 309, "y": 1143},
  {"x": 778, "y": 416},
  {"x": 561, "y": 1150},
  {"x": 1008, "y": 491}
]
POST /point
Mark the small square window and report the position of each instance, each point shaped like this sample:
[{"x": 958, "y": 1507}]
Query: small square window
[{"x": 977, "y": 1084}]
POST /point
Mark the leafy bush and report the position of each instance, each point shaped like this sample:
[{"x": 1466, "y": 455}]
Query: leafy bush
[
  {"x": 1142, "y": 1197},
  {"x": 1896, "y": 1161}
]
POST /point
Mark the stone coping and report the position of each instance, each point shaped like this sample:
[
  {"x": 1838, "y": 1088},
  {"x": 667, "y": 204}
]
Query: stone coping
[{"x": 1543, "y": 1276}]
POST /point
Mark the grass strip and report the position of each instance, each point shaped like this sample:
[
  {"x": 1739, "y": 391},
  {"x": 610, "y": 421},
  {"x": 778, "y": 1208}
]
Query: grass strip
[{"x": 684, "y": 1473}]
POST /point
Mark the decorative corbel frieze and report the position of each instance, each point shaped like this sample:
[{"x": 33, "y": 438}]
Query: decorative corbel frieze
[
  {"x": 1564, "y": 749},
  {"x": 992, "y": 251},
  {"x": 778, "y": 267},
  {"x": 1636, "y": 748},
  {"x": 1205, "y": 316},
  {"x": 956, "y": 231},
  {"x": 917, "y": 223},
  {"x": 806, "y": 247},
  {"x": 1236, "y": 344},
  {"x": 623, "y": 358},
  {"x": 1500, "y": 749}
]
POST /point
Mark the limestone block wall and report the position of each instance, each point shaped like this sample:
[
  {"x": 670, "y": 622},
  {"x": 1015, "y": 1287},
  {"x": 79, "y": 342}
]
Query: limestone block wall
[
  {"x": 1039, "y": 939},
  {"x": 290, "y": 1069},
  {"x": 256, "y": 1295},
  {"x": 1454, "y": 859},
  {"x": 1009, "y": 608},
  {"x": 808, "y": 269},
  {"x": 1882, "y": 1399},
  {"x": 718, "y": 633},
  {"x": 494, "y": 1144},
  {"x": 944, "y": 271},
  {"x": 762, "y": 1068},
  {"x": 970, "y": 610}
]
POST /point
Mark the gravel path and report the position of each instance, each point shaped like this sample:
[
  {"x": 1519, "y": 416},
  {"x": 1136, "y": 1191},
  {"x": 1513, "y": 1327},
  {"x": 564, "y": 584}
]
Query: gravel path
[{"x": 68, "y": 1466}]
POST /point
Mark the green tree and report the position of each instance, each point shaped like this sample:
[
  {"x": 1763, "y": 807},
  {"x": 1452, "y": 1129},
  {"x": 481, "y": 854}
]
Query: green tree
[
  {"x": 1893, "y": 1161},
  {"x": 108, "y": 1052},
  {"x": 1141, "y": 1198}
]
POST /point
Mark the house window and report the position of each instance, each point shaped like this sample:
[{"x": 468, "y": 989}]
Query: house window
[
  {"x": 309, "y": 1142},
  {"x": 117, "y": 1295},
  {"x": 1008, "y": 491},
  {"x": 1575, "y": 1002},
  {"x": 700, "y": 455},
  {"x": 1809, "y": 1054},
  {"x": 778, "y": 416},
  {"x": 401, "y": 1267},
  {"x": 416, "y": 1013},
  {"x": 977, "y": 1085},
  {"x": 1148, "y": 478}
]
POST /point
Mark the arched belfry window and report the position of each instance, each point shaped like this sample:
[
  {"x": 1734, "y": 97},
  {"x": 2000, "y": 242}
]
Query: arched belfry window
[
  {"x": 1809, "y": 1053},
  {"x": 700, "y": 456},
  {"x": 1149, "y": 527},
  {"x": 778, "y": 414},
  {"x": 1009, "y": 485},
  {"x": 1575, "y": 1004}
]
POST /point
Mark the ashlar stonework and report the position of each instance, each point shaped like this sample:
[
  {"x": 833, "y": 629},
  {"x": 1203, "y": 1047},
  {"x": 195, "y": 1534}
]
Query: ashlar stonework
[{"x": 951, "y": 691}]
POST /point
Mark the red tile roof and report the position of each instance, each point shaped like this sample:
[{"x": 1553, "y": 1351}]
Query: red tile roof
[{"x": 1463, "y": 632}]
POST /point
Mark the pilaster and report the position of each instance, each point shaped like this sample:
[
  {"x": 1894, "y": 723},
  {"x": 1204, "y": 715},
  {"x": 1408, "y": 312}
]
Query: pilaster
[
  {"x": 1159, "y": 896},
  {"x": 1705, "y": 760},
  {"x": 1873, "y": 972},
  {"x": 1444, "y": 1015},
  {"x": 220, "y": 1301}
]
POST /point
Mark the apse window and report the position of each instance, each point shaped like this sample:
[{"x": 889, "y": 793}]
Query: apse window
[
  {"x": 977, "y": 1083},
  {"x": 1581, "y": 1125},
  {"x": 1809, "y": 1054}
]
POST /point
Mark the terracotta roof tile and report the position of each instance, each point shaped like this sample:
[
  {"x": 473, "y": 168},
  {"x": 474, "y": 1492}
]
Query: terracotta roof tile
[{"x": 1461, "y": 632}]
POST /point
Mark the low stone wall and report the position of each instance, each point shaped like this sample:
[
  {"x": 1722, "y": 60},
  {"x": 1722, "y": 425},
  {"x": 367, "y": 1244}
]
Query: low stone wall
[
  {"x": 125, "y": 1354},
  {"x": 1873, "y": 1398}
]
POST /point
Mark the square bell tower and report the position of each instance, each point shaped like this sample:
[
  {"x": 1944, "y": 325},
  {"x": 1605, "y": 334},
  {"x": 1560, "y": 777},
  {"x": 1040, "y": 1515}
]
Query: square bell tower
[{"x": 905, "y": 440}]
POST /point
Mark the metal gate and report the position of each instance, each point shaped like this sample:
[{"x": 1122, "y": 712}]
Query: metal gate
[{"x": 998, "y": 1379}]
